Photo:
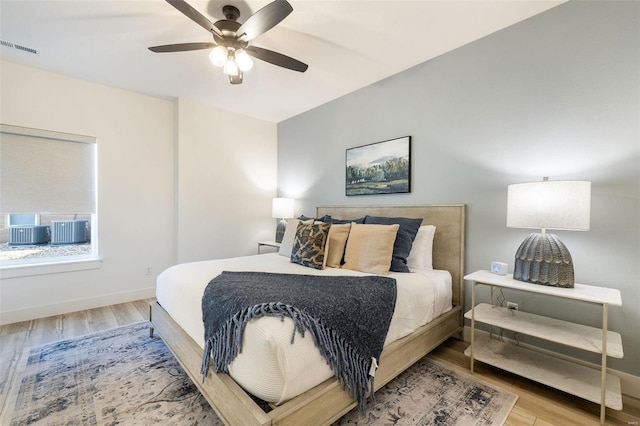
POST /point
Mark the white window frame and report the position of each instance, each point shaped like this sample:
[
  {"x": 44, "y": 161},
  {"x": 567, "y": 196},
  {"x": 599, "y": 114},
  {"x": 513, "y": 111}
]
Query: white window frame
[
  {"x": 48, "y": 265},
  {"x": 36, "y": 218}
]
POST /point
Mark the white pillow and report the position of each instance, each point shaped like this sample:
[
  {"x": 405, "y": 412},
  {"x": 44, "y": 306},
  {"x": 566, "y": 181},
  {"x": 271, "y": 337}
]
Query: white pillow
[
  {"x": 286, "y": 246},
  {"x": 421, "y": 255}
]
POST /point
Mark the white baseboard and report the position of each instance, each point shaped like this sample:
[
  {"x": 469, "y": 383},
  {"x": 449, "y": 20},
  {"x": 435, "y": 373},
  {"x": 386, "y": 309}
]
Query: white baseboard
[
  {"x": 42, "y": 311},
  {"x": 629, "y": 383}
]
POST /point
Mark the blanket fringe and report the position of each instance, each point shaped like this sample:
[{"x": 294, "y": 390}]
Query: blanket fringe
[{"x": 350, "y": 368}]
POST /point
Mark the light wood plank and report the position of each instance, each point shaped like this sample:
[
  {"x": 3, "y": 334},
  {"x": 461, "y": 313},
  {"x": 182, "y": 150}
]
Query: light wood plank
[
  {"x": 101, "y": 319},
  {"x": 15, "y": 327},
  {"x": 44, "y": 330},
  {"x": 540, "y": 422},
  {"x": 11, "y": 349},
  {"x": 142, "y": 306},
  {"x": 75, "y": 324},
  {"x": 520, "y": 417},
  {"x": 126, "y": 313}
]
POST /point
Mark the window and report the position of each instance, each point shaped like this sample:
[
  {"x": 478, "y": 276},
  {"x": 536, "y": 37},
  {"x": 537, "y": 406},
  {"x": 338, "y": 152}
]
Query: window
[
  {"x": 23, "y": 219},
  {"x": 47, "y": 197}
]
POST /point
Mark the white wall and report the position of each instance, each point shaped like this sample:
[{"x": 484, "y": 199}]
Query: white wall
[
  {"x": 135, "y": 188},
  {"x": 227, "y": 168},
  {"x": 176, "y": 181},
  {"x": 555, "y": 95}
]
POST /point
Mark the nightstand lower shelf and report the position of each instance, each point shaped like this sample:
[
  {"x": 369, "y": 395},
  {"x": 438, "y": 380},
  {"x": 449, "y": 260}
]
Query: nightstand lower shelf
[{"x": 566, "y": 376}]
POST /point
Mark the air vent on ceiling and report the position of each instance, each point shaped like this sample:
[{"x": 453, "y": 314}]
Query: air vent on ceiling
[{"x": 19, "y": 47}]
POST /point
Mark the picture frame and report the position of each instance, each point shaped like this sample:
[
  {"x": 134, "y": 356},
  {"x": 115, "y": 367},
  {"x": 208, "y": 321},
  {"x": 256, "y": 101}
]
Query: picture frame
[{"x": 379, "y": 168}]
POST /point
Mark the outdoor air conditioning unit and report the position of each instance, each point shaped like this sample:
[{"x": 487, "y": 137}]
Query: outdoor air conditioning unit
[
  {"x": 68, "y": 231},
  {"x": 28, "y": 234}
]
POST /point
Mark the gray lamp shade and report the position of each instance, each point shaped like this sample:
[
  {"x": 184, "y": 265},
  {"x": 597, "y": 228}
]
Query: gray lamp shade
[{"x": 542, "y": 258}]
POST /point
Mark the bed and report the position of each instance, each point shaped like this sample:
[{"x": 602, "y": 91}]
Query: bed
[{"x": 326, "y": 401}]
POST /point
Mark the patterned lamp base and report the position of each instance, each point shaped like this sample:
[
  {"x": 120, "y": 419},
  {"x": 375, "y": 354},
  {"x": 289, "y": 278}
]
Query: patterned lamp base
[
  {"x": 280, "y": 228},
  {"x": 544, "y": 259}
]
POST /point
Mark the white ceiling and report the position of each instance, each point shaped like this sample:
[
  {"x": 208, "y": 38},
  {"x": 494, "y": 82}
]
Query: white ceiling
[{"x": 348, "y": 45}]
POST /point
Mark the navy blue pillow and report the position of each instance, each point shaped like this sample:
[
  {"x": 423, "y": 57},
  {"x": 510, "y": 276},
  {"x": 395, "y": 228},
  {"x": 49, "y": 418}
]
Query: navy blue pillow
[
  {"x": 404, "y": 239},
  {"x": 328, "y": 219}
]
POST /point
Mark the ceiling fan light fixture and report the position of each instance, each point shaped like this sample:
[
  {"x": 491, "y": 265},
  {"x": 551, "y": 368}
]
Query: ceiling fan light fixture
[
  {"x": 244, "y": 61},
  {"x": 218, "y": 56},
  {"x": 230, "y": 67},
  {"x": 230, "y": 46}
]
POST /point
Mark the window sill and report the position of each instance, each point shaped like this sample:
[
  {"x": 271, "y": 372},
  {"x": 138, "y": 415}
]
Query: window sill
[{"x": 49, "y": 267}]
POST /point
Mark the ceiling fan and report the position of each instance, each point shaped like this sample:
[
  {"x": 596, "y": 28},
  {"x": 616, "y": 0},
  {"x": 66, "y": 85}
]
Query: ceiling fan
[{"x": 231, "y": 49}]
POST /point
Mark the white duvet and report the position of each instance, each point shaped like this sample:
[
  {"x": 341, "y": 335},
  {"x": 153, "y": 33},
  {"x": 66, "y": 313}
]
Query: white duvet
[{"x": 270, "y": 367}]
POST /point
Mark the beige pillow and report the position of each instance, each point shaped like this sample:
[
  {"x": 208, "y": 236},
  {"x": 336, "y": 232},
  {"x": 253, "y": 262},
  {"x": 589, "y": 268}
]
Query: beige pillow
[
  {"x": 338, "y": 235},
  {"x": 370, "y": 247}
]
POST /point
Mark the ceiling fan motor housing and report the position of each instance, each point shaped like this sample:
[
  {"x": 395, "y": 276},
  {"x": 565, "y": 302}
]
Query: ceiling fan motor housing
[
  {"x": 228, "y": 27},
  {"x": 231, "y": 12}
]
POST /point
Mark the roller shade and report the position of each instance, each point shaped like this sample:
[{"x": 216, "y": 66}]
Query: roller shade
[{"x": 46, "y": 172}]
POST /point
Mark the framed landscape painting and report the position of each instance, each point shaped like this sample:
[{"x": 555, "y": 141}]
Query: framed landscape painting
[{"x": 379, "y": 168}]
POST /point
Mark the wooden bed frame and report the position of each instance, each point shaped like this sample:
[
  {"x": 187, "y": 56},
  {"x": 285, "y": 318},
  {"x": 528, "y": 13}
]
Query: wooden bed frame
[{"x": 327, "y": 402}]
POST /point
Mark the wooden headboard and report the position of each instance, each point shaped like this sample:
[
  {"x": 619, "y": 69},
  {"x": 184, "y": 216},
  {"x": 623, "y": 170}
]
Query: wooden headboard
[{"x": 448, "y": 243}]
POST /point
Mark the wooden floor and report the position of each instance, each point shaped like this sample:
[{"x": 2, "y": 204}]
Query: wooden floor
[{"x": 537, "y": 404}]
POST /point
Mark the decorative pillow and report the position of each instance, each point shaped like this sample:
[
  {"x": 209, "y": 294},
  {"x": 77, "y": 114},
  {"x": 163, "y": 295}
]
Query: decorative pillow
[
  {"x": 404, "y": 240},
  {"x": 334, "y": 250},
  {"x": 370, "y": 248},
  {"x": 309, "y": 244},
  {"x": 421, "y": 256},
  {"x": 286, "y": 247}
]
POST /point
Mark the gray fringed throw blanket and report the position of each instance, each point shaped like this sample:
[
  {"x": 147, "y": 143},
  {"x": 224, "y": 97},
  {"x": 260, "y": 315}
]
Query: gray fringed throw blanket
[{"x": 348, "y": 318}]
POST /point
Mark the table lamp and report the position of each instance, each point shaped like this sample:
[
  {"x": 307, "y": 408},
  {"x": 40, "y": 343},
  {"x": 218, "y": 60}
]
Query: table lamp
[
  {"x": 564, "y": 205},
  {"x": 281, "y": 209}
]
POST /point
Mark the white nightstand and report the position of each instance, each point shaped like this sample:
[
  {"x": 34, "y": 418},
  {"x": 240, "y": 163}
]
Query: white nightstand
[
  {"x": 268, "y": 244},
  {"x": 576, "y": 379}
]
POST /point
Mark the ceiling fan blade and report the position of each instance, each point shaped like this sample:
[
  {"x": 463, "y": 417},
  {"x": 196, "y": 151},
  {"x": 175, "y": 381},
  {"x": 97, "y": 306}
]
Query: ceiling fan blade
[
  {"x": 276, "y": 58},
  {"x": 197, "y": 17},
  {"x": 181, "y": 47},
  {"x": 264, "y": 19}
]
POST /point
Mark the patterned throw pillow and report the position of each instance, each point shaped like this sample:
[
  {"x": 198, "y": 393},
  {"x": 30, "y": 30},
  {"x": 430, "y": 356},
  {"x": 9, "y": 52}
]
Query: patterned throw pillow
[{"x": 309, "y": 244}]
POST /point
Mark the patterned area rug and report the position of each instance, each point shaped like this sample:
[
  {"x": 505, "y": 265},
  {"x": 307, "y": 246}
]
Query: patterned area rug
[{"x": 124, "y": 377}]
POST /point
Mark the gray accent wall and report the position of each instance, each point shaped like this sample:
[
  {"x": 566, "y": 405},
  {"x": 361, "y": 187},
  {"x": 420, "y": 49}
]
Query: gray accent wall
[{"x": 557, "y": 95}]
